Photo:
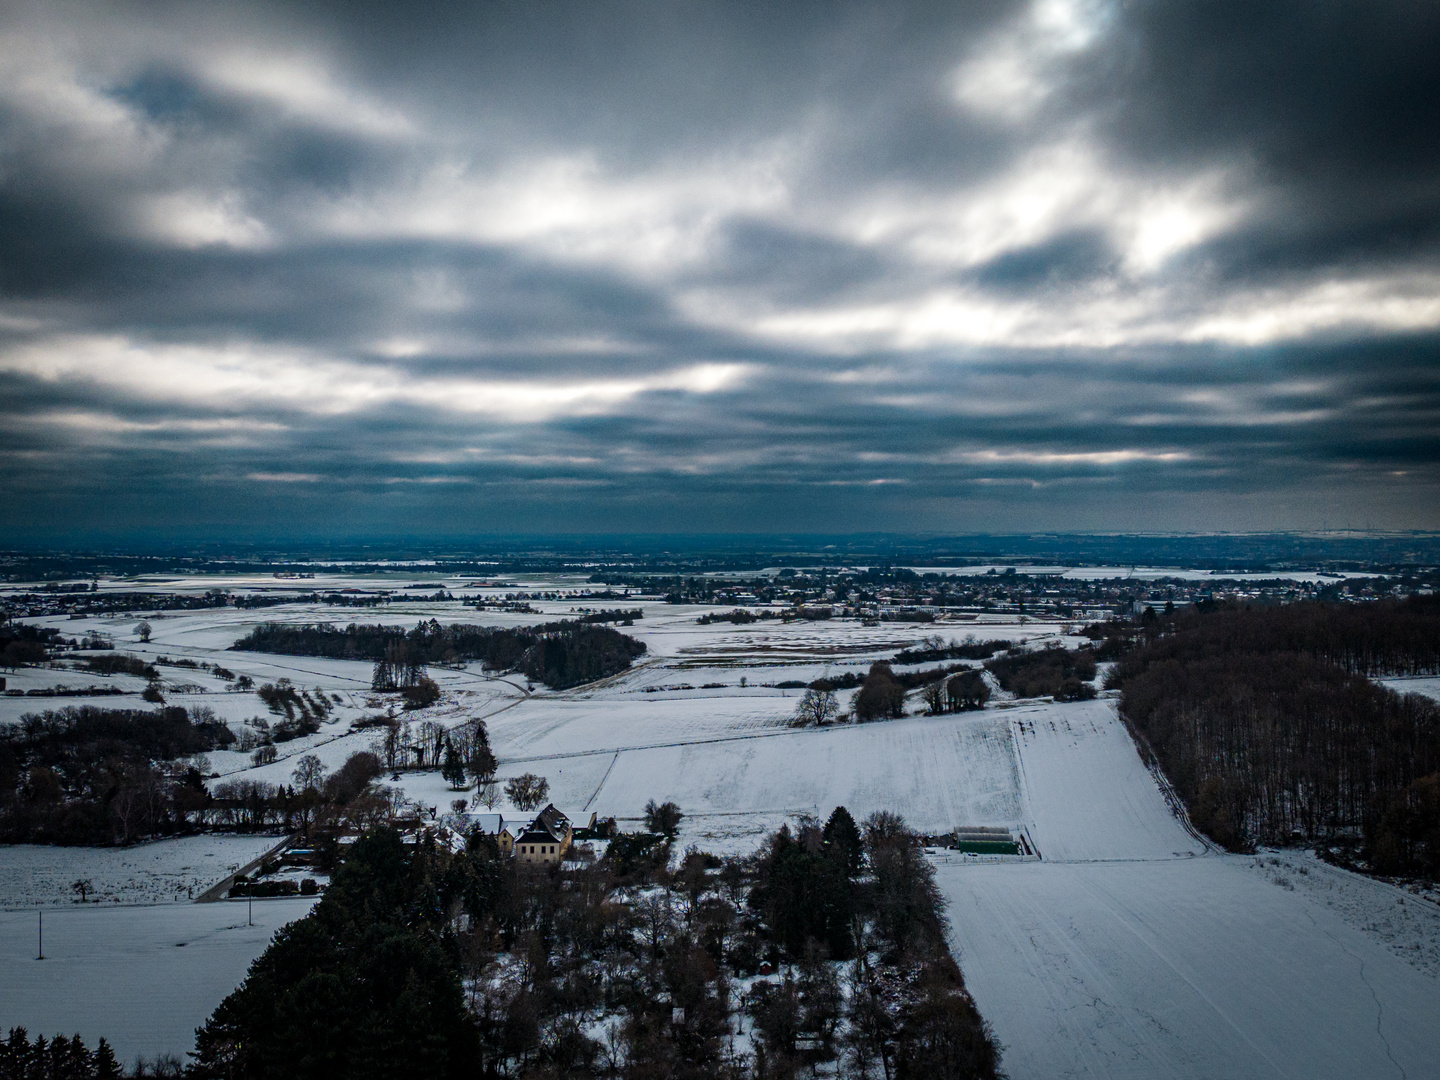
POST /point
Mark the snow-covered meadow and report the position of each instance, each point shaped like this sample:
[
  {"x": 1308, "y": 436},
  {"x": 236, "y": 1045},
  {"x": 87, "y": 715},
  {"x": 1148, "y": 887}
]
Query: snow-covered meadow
[
  {"x": 1134, "y": 950},
  {"x": 157, "y": 872},
  {"x": 1131, "y": 948},
  {"x": 143, "y": 977}
]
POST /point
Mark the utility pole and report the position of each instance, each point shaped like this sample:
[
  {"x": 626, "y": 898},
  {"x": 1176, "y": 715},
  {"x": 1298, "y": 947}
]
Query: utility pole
[
  {"x": 42, "y": 935},
  {"x": 250, "y": 914}
]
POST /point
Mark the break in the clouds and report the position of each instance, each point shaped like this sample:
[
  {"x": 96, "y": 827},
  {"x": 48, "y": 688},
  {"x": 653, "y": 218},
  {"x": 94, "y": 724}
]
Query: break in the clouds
[{"x": 494, "y": 268}]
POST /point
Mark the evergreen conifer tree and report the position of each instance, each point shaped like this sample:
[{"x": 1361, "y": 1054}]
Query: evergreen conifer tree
[
  {"x": 453, "y": 769},
  {"x": 106, "y": 1067},
  {"x": 842, "y": 836}
]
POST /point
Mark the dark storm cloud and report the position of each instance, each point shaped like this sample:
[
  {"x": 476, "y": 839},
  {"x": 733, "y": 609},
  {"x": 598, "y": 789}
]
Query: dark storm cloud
[
  {"x": 1330, "y": 106},
  {"x": 502, "y": 267}
]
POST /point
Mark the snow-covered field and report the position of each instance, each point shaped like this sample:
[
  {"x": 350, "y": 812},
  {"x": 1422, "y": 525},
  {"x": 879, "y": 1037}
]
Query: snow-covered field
[
  {"x": 1429, "y": 686},
  {"x": 143, "y": 977},
  {"x": 1195, "y": 968},
  {"x": 942, "y": 771},
  {"x": 165, "y": 870},
  {"x": 1131, "y": 949},
  {"x": 1131, "y": 952}
]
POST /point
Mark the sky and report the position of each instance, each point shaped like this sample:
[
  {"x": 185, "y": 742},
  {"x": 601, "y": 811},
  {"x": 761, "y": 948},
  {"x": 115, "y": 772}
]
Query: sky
[{"x": 461, "y": 269}]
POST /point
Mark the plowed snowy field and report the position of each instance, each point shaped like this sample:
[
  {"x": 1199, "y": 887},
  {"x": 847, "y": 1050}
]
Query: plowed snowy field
[{"x": 1132, "y": 951}]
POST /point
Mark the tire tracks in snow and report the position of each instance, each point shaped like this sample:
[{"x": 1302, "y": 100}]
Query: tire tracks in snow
[
  {"x": 1379, "y": 1007},
  {"x": 600, "y": 785},
  {"x": 1108, "y": 905}
]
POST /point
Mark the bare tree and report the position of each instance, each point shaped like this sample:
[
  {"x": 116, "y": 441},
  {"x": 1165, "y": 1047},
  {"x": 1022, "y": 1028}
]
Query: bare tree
[
  {"x": 392, "y": 743},
  {"x": 817, "y": 708},
  {"x": 935, "y": 697},
  {"x": 429, "y": 737},
  {"x": 527, "y": 791},
  {"x": 309, "y": 773}
]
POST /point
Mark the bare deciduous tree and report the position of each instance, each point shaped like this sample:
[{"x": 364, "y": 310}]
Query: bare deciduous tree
[
  {"x": 527, "y": 791},
  {"x": 817, "y": 708}
]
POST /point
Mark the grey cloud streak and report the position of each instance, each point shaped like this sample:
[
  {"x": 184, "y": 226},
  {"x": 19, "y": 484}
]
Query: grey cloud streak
[{"x": 504, "y": 268}]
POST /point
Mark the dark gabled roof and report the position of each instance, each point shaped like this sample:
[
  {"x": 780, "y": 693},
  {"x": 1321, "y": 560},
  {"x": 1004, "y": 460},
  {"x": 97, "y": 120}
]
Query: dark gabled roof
[
  {"x": 541, "y": 832},
  {"x": 553, "y": 819}
]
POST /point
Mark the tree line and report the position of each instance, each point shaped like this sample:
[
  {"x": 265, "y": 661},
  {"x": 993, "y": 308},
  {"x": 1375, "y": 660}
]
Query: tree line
[
  {"x": 881, "y": 692},
  {"x": 56, "y": 1059},
  {"x": 1386, "y": 637},
  {"x": 91, "y": 775},
  {"x": 1269, "y": 731},
  {"x": 559, "y": 654},
  {"x": 86, "y": 775},
  {"x": 936, "y": 648}
]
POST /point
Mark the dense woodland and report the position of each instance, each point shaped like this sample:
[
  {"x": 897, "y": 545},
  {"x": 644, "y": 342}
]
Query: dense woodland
[
  {"x": 21, "y": 644},
  {"x": 559, "y": 654},
  {"x": 91, "y": 775},
  {"x": 1268, "y": 728},
  {"x": 422, "y": 963}
]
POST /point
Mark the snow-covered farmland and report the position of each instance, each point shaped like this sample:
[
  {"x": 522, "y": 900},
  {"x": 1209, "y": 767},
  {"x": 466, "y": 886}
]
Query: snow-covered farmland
[
  {"x": 1185, "y": 968},
  {"x": 1089, "y": 796},
  {"x": 165, "y": 870},
  {"x": 1131, "y": 948},
  {"x": 143, "y": 977},
  {"x": 1130, "y": 951},
  {"x": 942, "y": 771}
]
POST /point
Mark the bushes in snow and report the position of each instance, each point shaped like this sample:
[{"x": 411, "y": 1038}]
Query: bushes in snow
[{"x": 1054, "y": 672}]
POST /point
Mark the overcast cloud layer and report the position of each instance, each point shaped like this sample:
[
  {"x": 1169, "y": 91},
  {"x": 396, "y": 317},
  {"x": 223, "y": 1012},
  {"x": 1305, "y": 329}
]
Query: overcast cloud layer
[{"x": 407, "y": 269}]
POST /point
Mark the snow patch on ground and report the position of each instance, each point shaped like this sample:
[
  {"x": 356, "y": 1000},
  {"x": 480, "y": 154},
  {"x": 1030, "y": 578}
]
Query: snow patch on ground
[{"x": 1408, "y": 925}]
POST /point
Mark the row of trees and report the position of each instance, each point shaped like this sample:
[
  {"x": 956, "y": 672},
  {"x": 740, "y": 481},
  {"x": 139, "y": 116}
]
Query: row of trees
[
  {"x": 935, "y": 647},
  {"x": 882, "y": 696},
  {"x": 560, "y": 654},
  {"x": 1270, "y": 743},
  {"x": 55, "y": 1059},
  {"x": 1056, "y": 672},
  {"x": 457, "y": 752}
]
